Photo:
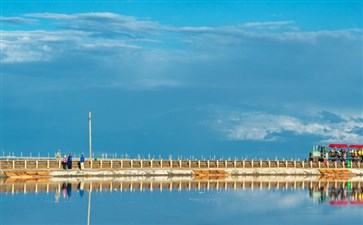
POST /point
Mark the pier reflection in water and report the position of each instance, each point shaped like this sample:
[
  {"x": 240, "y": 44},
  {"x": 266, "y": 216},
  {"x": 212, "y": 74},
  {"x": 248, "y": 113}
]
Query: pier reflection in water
[{"x": 182, "y": 200}]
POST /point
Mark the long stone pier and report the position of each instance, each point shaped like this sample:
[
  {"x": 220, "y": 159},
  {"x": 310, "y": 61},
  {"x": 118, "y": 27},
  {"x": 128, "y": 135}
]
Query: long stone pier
[{"x": 143, "y": 167}]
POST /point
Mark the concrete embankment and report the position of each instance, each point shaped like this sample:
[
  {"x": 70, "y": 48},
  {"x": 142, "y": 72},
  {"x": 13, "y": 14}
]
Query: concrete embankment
[
  {"x": 143, "y": 167},
  {"x": 124, "y": 172}
]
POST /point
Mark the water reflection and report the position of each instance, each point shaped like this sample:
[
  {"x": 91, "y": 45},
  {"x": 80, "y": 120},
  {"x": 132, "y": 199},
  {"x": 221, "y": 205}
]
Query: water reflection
[
  {"x": 321, "y": 191},
  {"x": 80, "y": 188},
  {"x": 209, "y": 201},
  {"x": 342, "y": 195}
]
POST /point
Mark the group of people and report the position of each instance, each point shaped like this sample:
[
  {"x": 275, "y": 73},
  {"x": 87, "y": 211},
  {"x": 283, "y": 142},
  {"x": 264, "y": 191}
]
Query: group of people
[
  {"x": 354, "y": 155},
  {"x": 67, "y": 162},
  {"x": 67, "y": 191}
]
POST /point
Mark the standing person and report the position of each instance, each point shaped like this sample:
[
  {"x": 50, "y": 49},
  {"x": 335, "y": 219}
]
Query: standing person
[
  {"x": 65, "y": 161},
  {"x": 81, "y": 162},
  {"x": 58, "y": 155},
  {"x": 70, "y": 161}
]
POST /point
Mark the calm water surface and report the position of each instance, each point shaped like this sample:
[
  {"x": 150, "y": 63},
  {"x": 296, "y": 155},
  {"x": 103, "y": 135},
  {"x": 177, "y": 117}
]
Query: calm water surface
[{"x": 69, "y": 205}]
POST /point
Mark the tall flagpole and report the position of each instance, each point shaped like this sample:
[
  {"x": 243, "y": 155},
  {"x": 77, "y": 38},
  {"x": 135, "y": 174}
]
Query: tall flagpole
[
  {"x": 90, "y": 156},
  {"x": 90, "y": 134}
]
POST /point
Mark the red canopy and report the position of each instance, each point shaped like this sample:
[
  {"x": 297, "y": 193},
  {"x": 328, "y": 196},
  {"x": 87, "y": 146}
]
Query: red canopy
[
  {"x": 355, "y": 146},
  {"x": 338, "y": 146}
]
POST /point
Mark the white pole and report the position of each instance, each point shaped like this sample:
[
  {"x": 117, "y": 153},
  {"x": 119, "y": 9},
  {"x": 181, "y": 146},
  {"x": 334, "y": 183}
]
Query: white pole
[{"x": 90, "y": 134}]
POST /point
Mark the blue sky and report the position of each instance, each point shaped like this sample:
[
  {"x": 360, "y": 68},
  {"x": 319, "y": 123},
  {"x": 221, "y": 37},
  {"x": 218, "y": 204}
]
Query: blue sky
[{"x": 207, "y": 78}]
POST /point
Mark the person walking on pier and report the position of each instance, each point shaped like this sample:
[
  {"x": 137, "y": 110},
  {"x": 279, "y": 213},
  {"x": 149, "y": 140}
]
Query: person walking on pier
[
  {"x": 81, "y": 162},
  {"x": 69, "y": 161},
  {"x": 65, "y": 161}
]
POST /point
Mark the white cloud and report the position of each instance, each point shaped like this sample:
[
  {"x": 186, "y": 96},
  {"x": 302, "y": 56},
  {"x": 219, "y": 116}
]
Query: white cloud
[
  {"x": 277, "y": 23},
  {"x": 93, "y": 15},
  {"x": 96, "y": 21},
  {"x": 42, "y": 45},
  {"x": 37, "y": 45},
  {"x": 54, "y": 16},
  {"x": 270, "y": 127},
  {"x": 16, "y": 20},
  {"x": 103, "y": 30},
  {"x": 271, "y": 24}
]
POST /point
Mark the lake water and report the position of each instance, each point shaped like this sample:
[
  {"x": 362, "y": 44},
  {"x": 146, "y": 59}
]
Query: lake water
[{"x": 66, "y": 202}]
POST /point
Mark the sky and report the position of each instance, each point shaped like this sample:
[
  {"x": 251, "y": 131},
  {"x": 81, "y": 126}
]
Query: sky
[{"x": 181, "y": 78}]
